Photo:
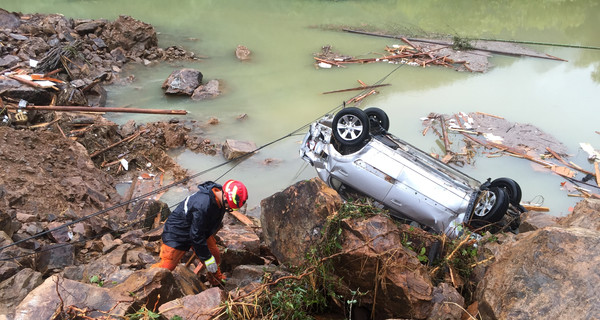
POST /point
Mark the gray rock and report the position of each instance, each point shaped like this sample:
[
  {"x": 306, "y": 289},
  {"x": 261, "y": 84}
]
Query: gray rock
[
  {"x": 207, "y": 91},
  {"x": 16, "y": 288},
  {"x": 55, "y": 256},
  {"x": 9, "y": 61},
  {"x": 182, "y": 82},
  {"x": 9, "y": 20},
  {"x": 90, "y": 27}
]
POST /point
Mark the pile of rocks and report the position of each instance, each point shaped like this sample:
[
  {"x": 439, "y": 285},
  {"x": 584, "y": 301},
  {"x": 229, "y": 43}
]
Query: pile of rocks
[{"x": 77, "y": 53}]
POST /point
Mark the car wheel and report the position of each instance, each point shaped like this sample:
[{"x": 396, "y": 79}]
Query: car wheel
[
  {"x": 379, "y": 116},
  {"x": 491, "y": 207},
  {"x": 350, "y": 126},
  {"x": 512, "y": 188}
]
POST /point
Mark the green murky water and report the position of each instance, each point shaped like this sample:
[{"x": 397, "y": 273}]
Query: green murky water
[{"x": 281, "y": 90}]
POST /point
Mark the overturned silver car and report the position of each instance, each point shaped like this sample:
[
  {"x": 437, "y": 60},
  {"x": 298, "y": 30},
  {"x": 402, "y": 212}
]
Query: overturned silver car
[{"x": 354, "y": 154}]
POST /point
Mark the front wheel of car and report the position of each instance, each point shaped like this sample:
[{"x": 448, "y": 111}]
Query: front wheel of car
[
  {"x": 350, "y": 126},
  {"x": 490, "y": 208},
  {"x": 512, "y": 188}
]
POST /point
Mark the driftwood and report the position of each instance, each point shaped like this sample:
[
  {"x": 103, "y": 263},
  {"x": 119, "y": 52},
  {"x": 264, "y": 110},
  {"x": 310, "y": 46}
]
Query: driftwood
[
  {"x": 364, "y": 87},
  {"x": 445, "y": 135},
  {"x": 535, "y": 208},
  {"x": 362, "y": 96},
  {"x": 25, "y": 81},
  {"x": 562, "y": 171},
  {"x": 481, "y": 45},
  {"x": 559, "y": 158},
  {"x": 101, "y": 109}
]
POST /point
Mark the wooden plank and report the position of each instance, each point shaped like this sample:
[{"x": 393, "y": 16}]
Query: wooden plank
[
  {"x": 535, "y": 208},
  {"x": 563, "y": 171},
  {"x": 597, "y": 173},
  {"x": 358, "y": 88},
  {"x": 242, "y": 218},
  {"x": 101, "y": 109},
  {"x": 487, "y": 114}
]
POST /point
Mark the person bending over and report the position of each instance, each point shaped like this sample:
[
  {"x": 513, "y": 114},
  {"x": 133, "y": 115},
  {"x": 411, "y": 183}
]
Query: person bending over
[{"x": 194, "y": 223}]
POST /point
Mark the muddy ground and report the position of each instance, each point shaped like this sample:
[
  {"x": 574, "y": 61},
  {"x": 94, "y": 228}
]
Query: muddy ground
[{"x": 45, "y": 173}]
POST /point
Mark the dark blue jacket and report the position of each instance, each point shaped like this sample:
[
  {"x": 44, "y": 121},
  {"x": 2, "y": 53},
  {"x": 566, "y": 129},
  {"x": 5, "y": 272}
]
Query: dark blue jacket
[{"x": 194, "y": 220}]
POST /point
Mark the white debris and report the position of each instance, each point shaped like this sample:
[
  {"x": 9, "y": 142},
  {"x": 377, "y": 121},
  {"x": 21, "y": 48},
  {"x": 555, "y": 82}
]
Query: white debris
[
  {"x": 324, "y": 65},
  {"x": 592, "y": 153},
  {"x": 493, "y": 138},
  {"x": 125, "y": 164}
]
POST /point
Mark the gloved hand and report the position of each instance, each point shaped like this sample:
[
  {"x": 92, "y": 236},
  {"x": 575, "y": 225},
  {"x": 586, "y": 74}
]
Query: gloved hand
[{"x": 211, "y": 265}]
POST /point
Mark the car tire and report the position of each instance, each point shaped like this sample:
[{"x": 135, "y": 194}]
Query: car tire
[
  {"x": 350, "y": 126},
  {"x": 379, "y": 116},
  {"x": 512, "y": 188},
  {"x": 490, "y": 208}
]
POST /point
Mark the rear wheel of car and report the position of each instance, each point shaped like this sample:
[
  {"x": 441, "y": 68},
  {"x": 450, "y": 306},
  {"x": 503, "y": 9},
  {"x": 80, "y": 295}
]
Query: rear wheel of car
[
  {"x": 378, "y": 116},
  {"x": 512, "y": 188},
  {"x": 490, "y": 208},
  {"x": 350, "y": 126}
]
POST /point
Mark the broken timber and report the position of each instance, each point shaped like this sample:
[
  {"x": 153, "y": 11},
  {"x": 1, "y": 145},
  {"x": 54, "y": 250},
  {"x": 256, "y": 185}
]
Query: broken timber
[
  {"x": 101, "y": 109},
  {"x": 358, "y": 88},
  {"x": 482, "y": 45}
]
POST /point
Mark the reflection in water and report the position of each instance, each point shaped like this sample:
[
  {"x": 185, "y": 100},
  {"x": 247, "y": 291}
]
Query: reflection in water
[{"x": 280, "y": 89}]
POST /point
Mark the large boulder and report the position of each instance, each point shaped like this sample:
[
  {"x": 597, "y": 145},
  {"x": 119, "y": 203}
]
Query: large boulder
[
  {"x": 373, "y": 261},
  {"x": 58, "y": 294},
  {"x": 292, "y": 219},
  {"x": 545, "y": 274}
]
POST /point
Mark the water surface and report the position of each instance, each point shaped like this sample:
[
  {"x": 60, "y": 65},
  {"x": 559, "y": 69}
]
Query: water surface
[{"x": 281, "y": 90}]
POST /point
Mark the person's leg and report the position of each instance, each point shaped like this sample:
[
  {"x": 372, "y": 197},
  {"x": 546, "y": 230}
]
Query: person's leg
[{"x": 169, "y": 257}]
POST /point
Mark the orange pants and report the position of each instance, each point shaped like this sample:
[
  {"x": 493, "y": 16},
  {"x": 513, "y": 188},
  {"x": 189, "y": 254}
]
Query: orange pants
[{"x": 170, "y": 258}]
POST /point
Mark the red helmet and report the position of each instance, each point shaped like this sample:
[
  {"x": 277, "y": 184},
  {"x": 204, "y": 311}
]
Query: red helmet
[{"x": 236, "y": 193}]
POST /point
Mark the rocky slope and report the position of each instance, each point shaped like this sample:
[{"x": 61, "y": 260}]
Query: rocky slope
[{"x": 70, "y": 247}]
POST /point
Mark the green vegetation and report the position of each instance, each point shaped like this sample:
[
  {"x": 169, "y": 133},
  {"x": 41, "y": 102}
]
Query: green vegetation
[
  {"x": 143, "y": 314},
  {"x": 459, "y": 43},
  {"x": 97, "y": 280}
]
